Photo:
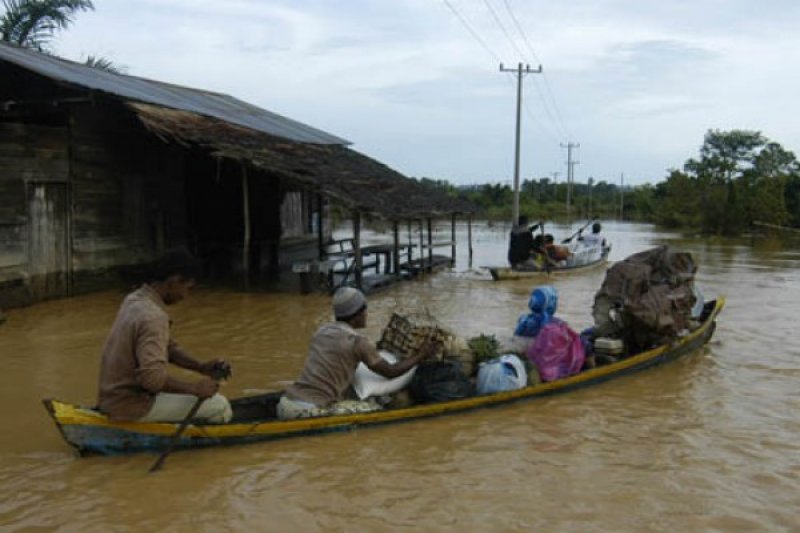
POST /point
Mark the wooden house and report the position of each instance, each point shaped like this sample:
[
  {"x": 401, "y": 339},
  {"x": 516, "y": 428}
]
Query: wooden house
[{"x": 101, "y": 171}]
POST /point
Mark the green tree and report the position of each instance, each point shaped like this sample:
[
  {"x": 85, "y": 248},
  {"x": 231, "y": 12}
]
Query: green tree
[
  {"x": 639, "y": 203},
  {"x": 740, "y": 177},
  {"x": 765, "y": 184},
  {"x": 33, "y": 23},
  {"x": 678, "y": 201},
  {"x": 792, "y": 195},
  {"x": 103, "y": 63}
]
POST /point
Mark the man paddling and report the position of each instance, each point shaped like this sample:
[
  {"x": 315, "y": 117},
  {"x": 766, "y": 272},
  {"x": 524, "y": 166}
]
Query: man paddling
[
  {"x": 522, "y": 249},
  {"x": 134, "y": 383},
  {"x": 594, "y": 238}
]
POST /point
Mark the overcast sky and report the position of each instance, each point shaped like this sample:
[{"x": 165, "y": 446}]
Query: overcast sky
[{"x": 415, "y": 83}]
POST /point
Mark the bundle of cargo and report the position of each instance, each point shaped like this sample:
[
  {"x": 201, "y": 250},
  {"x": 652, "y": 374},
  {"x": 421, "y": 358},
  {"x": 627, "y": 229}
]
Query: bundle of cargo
[{"x": 645, "y": 300}]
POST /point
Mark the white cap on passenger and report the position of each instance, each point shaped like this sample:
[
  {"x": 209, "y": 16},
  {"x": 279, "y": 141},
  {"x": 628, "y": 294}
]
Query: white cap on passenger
[{"x": 347, "y": 302}]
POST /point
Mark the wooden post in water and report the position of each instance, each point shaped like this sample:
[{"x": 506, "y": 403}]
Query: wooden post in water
[
  {"x": 421, "y": 249},
  {"x": 161, "y": 238},
  {"x": 469, "y": 238},
  {"x": 396, "y": 251},
  {"x": 430, "y": 245},
  {"x": 357, "y": 246},
  {"x": 320, "y": 228},
  {"x": 246, "y": 239},
  {"x": 453, "y": 240}
]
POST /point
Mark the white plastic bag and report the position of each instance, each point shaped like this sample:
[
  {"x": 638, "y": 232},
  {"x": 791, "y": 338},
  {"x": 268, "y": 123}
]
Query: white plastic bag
[
  {"x": 503, "y": 373},
  {"x": 367, "y": 383}
]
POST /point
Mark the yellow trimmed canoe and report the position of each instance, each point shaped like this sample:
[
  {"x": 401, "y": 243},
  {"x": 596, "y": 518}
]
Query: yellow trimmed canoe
[{"x": 90, "y": 432}]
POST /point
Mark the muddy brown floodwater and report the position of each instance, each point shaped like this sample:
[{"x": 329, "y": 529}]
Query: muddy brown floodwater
[{"x": 709, "y": 442}]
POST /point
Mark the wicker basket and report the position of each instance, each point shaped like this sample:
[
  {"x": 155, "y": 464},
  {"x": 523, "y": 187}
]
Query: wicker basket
[{"x": 405, "y": 334}]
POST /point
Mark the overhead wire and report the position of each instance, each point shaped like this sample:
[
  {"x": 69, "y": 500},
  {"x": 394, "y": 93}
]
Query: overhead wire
[
  {"x": 557, "y": 121},
  {"x": 544, "y": 74},
  {"x": 552, "y": 134},
  {"x": 471, "y": 31},
  {"x": 513, "y": 42},
  {"x": 503, "y": 28}
]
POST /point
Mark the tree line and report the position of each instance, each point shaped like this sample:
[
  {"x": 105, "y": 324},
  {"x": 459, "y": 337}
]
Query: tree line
[{"x": 739, "y": 177}]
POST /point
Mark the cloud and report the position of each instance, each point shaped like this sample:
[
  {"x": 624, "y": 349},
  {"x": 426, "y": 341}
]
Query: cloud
[{"x": 636, "y": 83}]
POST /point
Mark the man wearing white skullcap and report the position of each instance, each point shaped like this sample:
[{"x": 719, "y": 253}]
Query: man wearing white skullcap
[
  {"x": 348, "y": 302},
  {"x": 325, "y": 384}
]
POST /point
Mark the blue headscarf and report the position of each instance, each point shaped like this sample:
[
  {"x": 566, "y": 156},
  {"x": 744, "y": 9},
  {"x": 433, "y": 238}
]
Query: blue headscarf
[{"x": 542, "y": 303}]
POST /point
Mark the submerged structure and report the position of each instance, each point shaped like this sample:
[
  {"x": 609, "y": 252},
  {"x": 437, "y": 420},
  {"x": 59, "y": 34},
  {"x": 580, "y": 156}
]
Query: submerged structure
[{"x": 101, "y": 171}]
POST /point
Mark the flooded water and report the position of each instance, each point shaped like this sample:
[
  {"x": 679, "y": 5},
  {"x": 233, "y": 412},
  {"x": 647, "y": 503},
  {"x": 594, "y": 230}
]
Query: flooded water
[{"x": 709, "y": 442}]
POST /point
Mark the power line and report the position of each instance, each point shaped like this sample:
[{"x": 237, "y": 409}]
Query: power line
[
  {"x": 557, "y": 121},
  {"x": 471, "y": 31},
  {"x": 519, "y": 29},
  {"x": 536, "y": 57},
  {"x": 503, "y": 28},
  {"x": 485, "y": 46},
  {"x": 553, "y": 135},
  {"x": 522, "y": 55}
]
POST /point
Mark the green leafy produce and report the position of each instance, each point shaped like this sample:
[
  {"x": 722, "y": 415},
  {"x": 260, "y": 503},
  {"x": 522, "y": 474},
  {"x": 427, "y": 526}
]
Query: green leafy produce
[{"x": 483, "y": 347}]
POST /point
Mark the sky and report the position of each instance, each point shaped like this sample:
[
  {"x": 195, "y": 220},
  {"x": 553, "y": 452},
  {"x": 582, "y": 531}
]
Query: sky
[{"x": 416, "y": 84}]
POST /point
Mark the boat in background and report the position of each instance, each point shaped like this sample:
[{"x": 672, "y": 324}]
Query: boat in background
[{"x": 582, "y": 258}]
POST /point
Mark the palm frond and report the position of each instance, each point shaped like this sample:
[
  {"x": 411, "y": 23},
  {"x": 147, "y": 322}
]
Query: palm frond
[
  {"x": 33, "y": 23},
  {"x": 103, "y": 63}
]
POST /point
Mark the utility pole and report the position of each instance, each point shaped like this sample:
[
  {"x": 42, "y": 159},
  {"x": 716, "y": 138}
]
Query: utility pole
[
  {"x": 591, "y": 181},
  {"x": 555, "y": 185},
  {"x": 570, "y": 173},
  {"x": 519, "y": 71},
  {"x": 621, "y": 194}
]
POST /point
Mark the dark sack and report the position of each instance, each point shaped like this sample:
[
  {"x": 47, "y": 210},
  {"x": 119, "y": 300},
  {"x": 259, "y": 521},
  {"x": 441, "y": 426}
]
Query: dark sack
[
  {"x": 662, "y": 309},
  {"x": 439, "y": 381}
]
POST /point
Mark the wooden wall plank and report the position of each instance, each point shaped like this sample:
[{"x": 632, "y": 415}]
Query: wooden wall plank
[
  {"x": 12, "y": 202},
  {"x": 34, "y": 169},
  {"x": 13, "y": 252}
]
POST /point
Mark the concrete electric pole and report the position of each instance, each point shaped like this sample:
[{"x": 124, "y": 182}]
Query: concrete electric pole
[
  {"x": 519, "y": 72},
  {"x": 570, "y": 173}
]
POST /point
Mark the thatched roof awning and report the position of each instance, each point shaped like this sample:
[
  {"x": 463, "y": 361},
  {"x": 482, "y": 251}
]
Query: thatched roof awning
[{"x": 350, "y": 178}]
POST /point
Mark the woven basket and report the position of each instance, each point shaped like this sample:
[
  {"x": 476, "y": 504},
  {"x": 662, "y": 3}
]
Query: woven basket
[{"x": 405, "y": 334}]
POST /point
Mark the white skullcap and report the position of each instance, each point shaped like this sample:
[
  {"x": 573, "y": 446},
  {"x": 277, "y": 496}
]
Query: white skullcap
[{"x": 348, "y": 301}]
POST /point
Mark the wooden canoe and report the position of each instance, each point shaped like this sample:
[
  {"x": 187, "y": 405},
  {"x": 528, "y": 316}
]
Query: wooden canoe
[
  {"x": 90, "y": 432},
  {"x": 509, "y": 273}
]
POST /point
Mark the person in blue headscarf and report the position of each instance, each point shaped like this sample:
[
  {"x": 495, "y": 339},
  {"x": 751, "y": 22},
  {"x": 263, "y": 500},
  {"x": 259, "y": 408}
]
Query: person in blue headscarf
[{"x": 542, "y": 303}]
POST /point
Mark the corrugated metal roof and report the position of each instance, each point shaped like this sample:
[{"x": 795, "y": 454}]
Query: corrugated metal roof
[{"x": 207, "y": 103}]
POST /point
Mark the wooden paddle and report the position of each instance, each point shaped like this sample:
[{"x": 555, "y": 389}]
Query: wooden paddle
[
  {"x": 176, "y": 437},
  {"x": 218, "y": 374},
  {"x": 569, "y": 239}
]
